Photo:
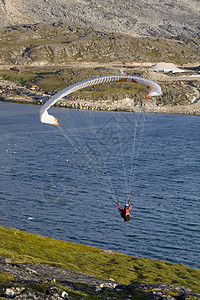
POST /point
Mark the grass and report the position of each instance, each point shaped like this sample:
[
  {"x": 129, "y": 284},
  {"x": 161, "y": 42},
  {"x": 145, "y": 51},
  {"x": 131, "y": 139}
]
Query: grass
[
  {"x": 55, "y": 80},
  {"x": 25, "y": 247},
  {"x": 5, "y": 277},
  {"x": 20, "y": 78}
]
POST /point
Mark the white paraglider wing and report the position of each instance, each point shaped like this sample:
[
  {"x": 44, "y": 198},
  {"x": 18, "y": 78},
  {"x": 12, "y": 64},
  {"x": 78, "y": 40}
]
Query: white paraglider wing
[{"x": 155, "y": 90}]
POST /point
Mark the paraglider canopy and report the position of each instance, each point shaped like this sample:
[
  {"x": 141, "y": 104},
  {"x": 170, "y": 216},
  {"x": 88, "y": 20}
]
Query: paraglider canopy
[
  {"x": 155, "y": 90},
  {"x": 107, "y": 144}
]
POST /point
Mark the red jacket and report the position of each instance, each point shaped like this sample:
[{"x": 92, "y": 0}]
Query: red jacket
[{"x": 124, "y": 211}]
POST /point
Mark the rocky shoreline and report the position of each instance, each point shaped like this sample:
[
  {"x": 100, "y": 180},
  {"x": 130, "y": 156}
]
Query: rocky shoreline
[
  {"x": 11, "y": 92},
  {"x": 39, "y": 281},
  {"x": 190, "y": 104},
  {"x": 132, "y": 105}
]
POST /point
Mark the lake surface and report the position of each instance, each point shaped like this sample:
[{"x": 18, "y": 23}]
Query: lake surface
[{"x": 66, "y": 187}]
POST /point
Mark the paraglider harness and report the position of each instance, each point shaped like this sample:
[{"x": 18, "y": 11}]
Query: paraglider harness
[{"x": 125, "y": 212}]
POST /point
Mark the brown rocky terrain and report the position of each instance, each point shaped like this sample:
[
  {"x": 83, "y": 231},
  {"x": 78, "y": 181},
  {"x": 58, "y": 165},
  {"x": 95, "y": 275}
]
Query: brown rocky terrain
[
  {"x": 136, "y": 18},
  {"x": 114, "y": 36},
  {"x": 60, "y": 43}
]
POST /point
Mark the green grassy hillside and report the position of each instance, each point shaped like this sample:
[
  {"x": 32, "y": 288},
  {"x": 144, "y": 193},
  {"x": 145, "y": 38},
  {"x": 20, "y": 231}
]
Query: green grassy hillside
[{"x": 26, "y": 247}]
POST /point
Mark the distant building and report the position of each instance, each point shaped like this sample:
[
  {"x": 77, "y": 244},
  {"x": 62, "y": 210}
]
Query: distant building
[{"x": 166, "y": 68}]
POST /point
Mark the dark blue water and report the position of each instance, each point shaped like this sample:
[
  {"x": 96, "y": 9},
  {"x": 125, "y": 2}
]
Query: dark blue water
[{"x": 49, "y": 187}]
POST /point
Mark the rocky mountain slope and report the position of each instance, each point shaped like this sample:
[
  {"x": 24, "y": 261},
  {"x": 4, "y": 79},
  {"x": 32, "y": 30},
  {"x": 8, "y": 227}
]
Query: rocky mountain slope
[
  {"x": 138, "y": 17},
  {"x": 100, "y": 35},
  {"x": 58, "y": 43}
]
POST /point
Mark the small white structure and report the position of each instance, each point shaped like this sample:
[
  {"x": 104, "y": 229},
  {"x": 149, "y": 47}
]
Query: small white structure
[{"x": 165, "y": 67}]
